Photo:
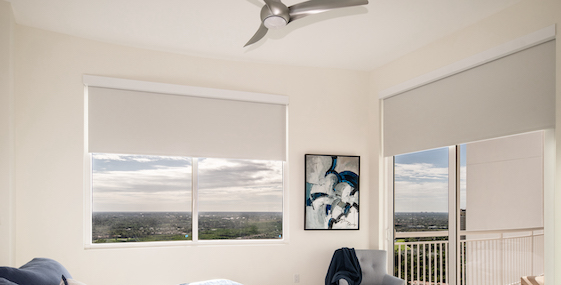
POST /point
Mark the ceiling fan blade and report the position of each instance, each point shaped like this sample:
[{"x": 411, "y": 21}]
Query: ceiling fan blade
[
  {"x": 268, "y": 2},
  {"x": 311, "y": 7},
  {"x": 261, "y": 32}
]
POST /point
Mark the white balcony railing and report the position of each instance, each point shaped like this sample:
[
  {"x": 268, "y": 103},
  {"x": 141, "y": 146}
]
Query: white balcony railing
[{"x": 486, "y": 257}]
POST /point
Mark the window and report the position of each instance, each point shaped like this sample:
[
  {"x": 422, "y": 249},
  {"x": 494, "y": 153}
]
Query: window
[
  {"x": 181, "y": 163},
  {"x": 138, "y": 198},
  {"x": 421, "y": 191},
  {"x": 141, "y": 198},
  {"x": 240, "y": 199},
  {"x": 421, "y": 215}
]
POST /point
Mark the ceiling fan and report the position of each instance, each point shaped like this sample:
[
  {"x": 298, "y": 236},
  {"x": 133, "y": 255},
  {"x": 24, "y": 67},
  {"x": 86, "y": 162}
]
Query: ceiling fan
[{"x": 275, "y": 14}]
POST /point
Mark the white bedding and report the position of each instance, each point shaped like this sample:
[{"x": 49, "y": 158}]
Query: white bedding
[{"x": 214, "y": 282}]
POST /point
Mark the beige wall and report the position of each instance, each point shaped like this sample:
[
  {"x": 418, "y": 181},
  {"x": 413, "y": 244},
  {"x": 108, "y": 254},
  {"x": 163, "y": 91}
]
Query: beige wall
[
  {"x": 519, "y": 20},
  {"x": 327, "y": 114},
  {"x": 49, "y": 139},
  {"x": 6, "y": 133}
]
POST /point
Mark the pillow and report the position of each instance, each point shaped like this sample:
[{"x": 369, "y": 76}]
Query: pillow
[
  {"x": 39, "y": 271},
  {"x": 68, "y": 281}
]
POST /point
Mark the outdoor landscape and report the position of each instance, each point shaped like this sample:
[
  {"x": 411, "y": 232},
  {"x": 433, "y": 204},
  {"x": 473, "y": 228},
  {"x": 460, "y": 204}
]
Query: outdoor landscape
[
  {"x": 407, "y": 250},
  {"x": 420, "y": 221},
  {"x": 112, "y": 227},
  {"x": 425, "y": 221}
]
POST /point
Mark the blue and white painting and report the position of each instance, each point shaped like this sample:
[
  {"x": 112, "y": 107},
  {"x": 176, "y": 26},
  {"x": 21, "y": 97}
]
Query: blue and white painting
[{"x": 332, "y": 192}]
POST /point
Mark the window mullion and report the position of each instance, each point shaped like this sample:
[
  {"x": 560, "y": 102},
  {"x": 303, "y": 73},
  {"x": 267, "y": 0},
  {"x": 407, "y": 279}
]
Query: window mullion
[
  {"x": 453, "y": 196},
  {"x": 195, "y": 199},
  {"x": 458, "y": 215}
]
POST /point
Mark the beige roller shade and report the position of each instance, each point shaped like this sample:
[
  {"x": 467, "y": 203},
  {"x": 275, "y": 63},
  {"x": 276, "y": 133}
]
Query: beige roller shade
[
  {"x": 134, "y": 122},
  {"x": 510, "y": 95}
]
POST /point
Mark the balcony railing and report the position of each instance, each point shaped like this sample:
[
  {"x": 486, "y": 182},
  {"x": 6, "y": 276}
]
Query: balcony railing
[{"x": 486, "y": 257}]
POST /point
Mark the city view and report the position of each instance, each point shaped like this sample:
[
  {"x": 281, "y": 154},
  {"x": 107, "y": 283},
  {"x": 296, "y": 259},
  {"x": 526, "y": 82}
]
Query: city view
[
  {"x": 425, "y": 221},
  {"x": 143, "y": 198},
  {"x": 420, "y": 221},
  {"x": 114, "y": 227}
]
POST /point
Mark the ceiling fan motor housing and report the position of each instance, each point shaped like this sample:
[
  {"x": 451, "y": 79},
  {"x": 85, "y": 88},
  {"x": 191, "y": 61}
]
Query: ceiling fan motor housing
[{"x": 275, "y": 15}]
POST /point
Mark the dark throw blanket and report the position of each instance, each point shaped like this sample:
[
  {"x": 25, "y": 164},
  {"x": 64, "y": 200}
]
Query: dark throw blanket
[{"x": 344, "y": 265}]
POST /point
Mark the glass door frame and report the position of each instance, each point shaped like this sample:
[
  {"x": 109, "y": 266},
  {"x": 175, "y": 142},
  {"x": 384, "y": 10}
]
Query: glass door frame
[
  {"x": 387, "y": 233},
  {"x": 453, "y": 213}
]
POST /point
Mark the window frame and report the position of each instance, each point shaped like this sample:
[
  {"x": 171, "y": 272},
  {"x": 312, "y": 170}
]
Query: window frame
[
  {"x": 145, "y": 86},
  {"x": 453, "y": 208},
  {"x": 88, "y": 244}
]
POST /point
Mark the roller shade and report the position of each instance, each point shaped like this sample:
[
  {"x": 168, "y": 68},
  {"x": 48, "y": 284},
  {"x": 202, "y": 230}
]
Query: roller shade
[
  {"x": 135, "y": 122},
  {"x": 505, "y": 175},
  {"x": 510, "y": 95}
]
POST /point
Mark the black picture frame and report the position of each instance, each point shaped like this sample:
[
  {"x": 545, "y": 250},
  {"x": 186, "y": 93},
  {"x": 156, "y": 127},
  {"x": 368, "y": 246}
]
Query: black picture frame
[{"x": 332, "y": 192}]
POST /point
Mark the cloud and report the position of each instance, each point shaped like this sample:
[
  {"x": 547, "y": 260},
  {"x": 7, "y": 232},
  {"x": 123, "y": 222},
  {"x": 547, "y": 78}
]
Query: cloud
[
  {"x": 240, "y": 185},
  {"x": 146, "y": 180},
  {"x": 145, "y": 183},
  {"x": 421, "y": 197},
  {"x": 420, "y": 171},
  {"x": 175, "y": 201},
  {"x": 162, "y": 189},
  {"x": 218, "y": 173},
  {"x": 109, "y": 156},
  {"x": 142, "y": 159},
  {"x": 423, "y": 187},
  {"x": 420, "y": 187}
]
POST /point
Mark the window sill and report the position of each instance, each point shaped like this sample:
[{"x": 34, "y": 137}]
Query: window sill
[{"x": 186, "y": 244}]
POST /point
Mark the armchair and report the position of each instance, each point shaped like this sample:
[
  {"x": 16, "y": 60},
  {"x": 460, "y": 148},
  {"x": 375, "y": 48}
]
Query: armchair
[{"x": 373, "y": 265}]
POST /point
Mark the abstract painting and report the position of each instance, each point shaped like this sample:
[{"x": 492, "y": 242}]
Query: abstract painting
[{"x": 332, "y": 192}]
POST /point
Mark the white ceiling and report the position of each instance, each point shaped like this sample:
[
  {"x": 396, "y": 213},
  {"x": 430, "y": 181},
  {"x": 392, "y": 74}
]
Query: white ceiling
[{"x": 360, "y": 38}]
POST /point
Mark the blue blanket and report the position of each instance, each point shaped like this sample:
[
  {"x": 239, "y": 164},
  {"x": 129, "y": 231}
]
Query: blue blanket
[{"x": 344, "y": 265}]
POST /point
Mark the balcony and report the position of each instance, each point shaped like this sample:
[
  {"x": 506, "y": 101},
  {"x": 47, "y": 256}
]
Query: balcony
[{"x": 485, "y": 257}]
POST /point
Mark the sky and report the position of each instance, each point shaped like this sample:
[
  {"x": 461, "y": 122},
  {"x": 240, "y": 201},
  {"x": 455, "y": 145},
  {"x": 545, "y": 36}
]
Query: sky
[
  {"x": 421, "y": 181},
  {"x": 139, "y": 183}
]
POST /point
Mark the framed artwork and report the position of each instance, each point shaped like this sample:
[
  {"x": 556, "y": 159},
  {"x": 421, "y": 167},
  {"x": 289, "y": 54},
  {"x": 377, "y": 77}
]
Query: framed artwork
[{"x": 332, "y": 192}]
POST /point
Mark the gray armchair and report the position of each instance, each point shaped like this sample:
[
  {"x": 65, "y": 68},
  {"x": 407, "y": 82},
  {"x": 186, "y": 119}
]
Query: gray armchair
[{"x": 373, "y": 265}]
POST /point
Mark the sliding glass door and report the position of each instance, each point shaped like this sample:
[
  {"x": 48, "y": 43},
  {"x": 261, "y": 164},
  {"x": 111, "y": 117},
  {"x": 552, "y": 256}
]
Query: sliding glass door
[
  {"x": 421, "y": 216},
  {"x": 470, "y": 214}
]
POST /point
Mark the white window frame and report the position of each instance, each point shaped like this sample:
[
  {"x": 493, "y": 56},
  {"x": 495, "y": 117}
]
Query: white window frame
[
  {"x": 388, "y": 219},
  {"x": 453, "y": 206},
  {"x": 144, "y": 86}
]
